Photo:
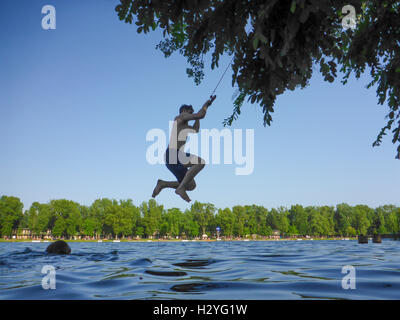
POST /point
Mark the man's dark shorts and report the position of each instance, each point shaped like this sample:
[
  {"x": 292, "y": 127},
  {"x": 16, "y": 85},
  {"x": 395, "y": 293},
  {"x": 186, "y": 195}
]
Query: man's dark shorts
[{"x": 174, "y": 165}]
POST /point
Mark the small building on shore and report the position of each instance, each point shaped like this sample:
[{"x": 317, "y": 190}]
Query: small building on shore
[{"x": 21, "y": 234}]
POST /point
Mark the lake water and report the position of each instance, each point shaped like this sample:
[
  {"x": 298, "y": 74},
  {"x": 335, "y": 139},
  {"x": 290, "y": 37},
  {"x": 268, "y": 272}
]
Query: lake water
[{"x": 258, "y": 270}]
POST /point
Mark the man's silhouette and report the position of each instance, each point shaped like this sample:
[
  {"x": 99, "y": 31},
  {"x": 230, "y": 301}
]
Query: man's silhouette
[{"x": 183, "y": 165}]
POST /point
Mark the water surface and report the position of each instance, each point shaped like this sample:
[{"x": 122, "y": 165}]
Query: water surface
[{"x": 258, "y": 270}]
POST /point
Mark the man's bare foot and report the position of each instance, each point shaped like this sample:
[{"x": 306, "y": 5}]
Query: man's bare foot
[
  {"x": 183, "y": 194},
  {"x": 157, "y": 189}
]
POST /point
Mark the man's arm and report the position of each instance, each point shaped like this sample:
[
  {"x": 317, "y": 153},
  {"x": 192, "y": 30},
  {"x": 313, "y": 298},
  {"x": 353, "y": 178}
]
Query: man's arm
[
  {"x": 196, "y": 125},
  {"x": 199, "y": 115}
]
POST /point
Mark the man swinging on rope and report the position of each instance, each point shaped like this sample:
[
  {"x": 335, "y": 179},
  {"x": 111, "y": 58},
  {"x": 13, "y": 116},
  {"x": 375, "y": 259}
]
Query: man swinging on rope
[{"x": 183, "y": 165}]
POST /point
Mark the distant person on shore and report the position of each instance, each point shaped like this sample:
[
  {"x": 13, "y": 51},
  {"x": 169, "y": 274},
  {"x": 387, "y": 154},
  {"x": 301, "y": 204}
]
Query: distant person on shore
[{"x": 183, "y": 165}]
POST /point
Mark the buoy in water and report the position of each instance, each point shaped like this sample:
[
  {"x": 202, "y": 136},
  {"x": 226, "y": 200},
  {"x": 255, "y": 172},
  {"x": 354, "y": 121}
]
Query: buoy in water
[
  {"x": 362, "y": 239},
  {"x": 377, "y": 238}
]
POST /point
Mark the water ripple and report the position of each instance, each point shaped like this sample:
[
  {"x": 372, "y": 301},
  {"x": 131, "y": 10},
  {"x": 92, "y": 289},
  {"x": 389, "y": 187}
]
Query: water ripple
[{"x": 202, "y": 270}]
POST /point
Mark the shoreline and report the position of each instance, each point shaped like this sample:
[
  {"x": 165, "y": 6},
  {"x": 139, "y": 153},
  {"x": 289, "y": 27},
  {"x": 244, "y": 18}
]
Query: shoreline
[{"x": 174, "y": 240}]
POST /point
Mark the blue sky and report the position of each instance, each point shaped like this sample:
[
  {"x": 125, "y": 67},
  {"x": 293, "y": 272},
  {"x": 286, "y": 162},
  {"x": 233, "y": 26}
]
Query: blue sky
[{"x": 76, "y": 104}]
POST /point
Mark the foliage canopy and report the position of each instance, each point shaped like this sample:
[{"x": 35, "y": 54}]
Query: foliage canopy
[{"x": 275, "y": 44}]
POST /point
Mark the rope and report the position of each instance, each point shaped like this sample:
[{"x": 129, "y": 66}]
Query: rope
[{"x": 222, "y": 76}]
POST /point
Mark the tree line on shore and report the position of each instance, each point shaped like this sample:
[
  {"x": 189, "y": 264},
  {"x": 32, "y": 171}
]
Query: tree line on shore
[{"x": 121, "y": 219}]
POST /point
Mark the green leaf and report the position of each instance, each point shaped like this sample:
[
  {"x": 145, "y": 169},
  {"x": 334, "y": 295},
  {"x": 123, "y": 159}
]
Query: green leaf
[
  {"x": 293, "y": 6},
  {"x": 398, "y": 69}
]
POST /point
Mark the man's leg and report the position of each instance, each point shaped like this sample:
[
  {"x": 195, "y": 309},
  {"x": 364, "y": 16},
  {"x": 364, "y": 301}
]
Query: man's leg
[
  {"x": 196, "y": 164},
  {"x": 161, "y": 184}
]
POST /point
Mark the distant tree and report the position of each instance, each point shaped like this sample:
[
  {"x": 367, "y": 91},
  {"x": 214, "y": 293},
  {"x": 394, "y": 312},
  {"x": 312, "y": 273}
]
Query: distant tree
[
  {"x": 172, "y": 221},
  {"x": 327, "y": 216},
  {"x": 392, "y": 222},
  {"x": 33, "y": 218},
  {"x": 386, "y": 220},
  {"x": 84, "y": 211},
  {"x": 316, "y": 222},
  {"x": 277, "y": 219},
  {"x": 133, "y": 218},
  {"x": 74, "y": 223},
  {"x": 39, "y": 217},
  {"x": 379, "y": 221},
  {"x": 298, "y": 217},
  {"x": 89, "y": 227},
  {"x": 292, "y": 230},
  {"x": 283, "y": 220},
  {"x": 251, "y": 221},
  {"x": 225, "y": 220},
  {"x": 360, "y": 220},
  {"x": 139, "y": 231},
  {"x": 119, "y": 218},
  {"x": 60, "y": 227},
  {"x": 98, "y": 211},
  {"x": 342, "y": 218},
  {"x": 351, "y": 231},
  {"x": 23, "y": 223},
  {"x": 66, "y": 216},
  {"x": 44, "y": 218},
  {"x": 190, "y": 227},
  {"x": 10, "y": 214},
  {"x": 240, "y": 222},
  {"x": 152, "y": 213},
  {"x": 261, "y": 217},
  {"x": 202, "y": 214}
]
